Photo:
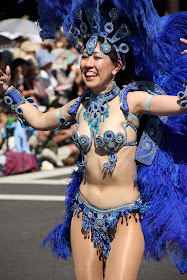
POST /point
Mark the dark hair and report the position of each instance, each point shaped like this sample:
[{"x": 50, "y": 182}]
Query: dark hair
[{"x": 126, "y": 76}]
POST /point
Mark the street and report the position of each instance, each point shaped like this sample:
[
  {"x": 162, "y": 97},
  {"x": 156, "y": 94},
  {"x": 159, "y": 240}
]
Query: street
[{"x": 30, "y": 206}]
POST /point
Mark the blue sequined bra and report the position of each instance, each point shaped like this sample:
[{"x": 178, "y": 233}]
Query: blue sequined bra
[{"x": 109, "y": 142}]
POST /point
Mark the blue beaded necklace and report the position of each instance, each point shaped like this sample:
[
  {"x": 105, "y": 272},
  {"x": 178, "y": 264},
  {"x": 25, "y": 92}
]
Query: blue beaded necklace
[{"x": 98, "y": 108}]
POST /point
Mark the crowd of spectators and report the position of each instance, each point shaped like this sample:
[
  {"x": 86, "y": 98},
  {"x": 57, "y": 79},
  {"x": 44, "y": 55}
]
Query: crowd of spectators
[{"x": 49, "y": 73}]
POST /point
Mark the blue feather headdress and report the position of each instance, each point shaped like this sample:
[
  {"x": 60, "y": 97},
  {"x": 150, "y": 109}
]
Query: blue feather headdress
[{"x": 116, "y": 20}]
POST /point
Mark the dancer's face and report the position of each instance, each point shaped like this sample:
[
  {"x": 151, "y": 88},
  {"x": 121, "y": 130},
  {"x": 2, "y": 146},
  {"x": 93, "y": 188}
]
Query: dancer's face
[{"x": 98, "y": 69}]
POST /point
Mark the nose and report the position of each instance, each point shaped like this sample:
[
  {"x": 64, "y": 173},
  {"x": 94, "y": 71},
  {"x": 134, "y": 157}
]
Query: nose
[{"x": 90, "y": 61}]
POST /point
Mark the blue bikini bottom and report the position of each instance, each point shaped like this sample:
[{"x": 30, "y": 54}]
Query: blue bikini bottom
[{"x": 100, "y": 224}]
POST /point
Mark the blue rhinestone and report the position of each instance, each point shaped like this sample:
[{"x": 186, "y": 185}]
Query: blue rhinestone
[
  {"x": 79, "y": 37},
  {"x": 105, "y": 47},
  {"x": 62, "y": 120},
  {"x": 109, "y": 27},
  {"x": 99, "y": 141},
  {"x": 119, "y": 137},
  {"x": 112, "y": 158},
  {"x": 183, "y": 104},
  {"x": 109, "y": 135},
  {"x": 83, "y": 27},
  {"x": 180, "y": 94},
  {"x": 124, "y": 30},
  {"x": 83, "y": 140},
  {"x": 114, "y": 13},
  {"x": 111, "y": 144}
]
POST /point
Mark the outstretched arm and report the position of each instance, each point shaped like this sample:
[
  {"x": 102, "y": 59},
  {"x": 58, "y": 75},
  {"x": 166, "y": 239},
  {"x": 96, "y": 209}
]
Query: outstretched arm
[
  {"x": 36, "y": 119},
  {"x": 141, "y": 103}
]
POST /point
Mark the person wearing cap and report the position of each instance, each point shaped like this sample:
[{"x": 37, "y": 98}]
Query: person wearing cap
[
  {"x": 45, "y": 60},
  {"x": 68, "y": 78}
]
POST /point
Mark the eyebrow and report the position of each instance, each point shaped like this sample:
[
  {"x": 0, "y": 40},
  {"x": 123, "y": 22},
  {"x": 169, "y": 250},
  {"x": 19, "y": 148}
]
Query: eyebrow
[{"x": 85, "y": 52}]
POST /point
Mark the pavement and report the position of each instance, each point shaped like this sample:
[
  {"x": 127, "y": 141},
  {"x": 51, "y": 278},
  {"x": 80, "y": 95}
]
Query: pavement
[{"x": 30, "y": 205}]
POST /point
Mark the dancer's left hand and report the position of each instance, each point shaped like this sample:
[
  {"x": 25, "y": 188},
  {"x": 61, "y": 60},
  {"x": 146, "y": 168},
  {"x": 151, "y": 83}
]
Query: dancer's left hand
[{"x": 185, "y": 42}]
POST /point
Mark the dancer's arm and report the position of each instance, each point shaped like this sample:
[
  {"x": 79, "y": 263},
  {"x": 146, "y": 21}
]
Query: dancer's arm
[{"x": 36, "y": 119}]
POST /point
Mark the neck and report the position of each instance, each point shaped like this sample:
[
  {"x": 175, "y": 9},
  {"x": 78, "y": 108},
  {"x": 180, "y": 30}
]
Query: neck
[{"x": 106, "y": 89}]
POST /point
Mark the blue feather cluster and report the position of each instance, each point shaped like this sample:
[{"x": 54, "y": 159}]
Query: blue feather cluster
[{"x": 59, "y": 238}]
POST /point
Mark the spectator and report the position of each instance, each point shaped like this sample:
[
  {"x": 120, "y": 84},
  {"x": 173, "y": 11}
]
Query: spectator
[
  {"x": 45, "y": 148},
  {"x": 45, "y": 60},
  {"x": 19, "y": 71},
  {"x": 67, "y": 90},
  {"x": 33, "y": 83},
  {"x": 67, "y": 151}
]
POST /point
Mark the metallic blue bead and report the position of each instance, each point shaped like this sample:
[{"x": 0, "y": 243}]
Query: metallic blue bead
[
  {"x": 91, "y": 44},
  {"x": 119, "y": 137},
  {"x": 114, "y": 14},
  {"x": 109, "y": 27},
  {"x": 112, "y": 157},
  {"x": 109, "y": 135},
  {"x": 83, "y": 140},
  {"x": 19, "y": 111},
  {"x": 105, "y": 47},
  {"x": 99, "y": 141},
  {"x": 124, "y": 48}
]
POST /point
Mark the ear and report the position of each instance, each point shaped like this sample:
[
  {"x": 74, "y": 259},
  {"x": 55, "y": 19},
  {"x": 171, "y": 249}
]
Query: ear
[{"x": 117, "y": 67}]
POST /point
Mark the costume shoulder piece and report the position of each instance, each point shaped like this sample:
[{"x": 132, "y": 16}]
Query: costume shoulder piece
[
  {"x": 152, "y": 134},
  {"x": 74, "y": 107}
]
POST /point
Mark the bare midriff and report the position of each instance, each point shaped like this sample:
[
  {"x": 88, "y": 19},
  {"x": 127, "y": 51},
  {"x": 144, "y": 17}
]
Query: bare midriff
[
  {"x": 109, "y": 190},
  {"x": 106, "y": 190}
]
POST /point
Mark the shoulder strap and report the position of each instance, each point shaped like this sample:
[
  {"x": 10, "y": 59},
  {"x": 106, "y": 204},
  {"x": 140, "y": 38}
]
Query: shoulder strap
[{"x": 134, "y": 117}]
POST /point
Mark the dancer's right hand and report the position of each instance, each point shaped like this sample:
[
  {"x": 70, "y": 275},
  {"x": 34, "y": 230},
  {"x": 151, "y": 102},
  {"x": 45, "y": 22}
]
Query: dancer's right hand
[{"x": 5, "y": 80}]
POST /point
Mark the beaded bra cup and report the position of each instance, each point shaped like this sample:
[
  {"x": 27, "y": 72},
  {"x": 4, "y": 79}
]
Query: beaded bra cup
[{"x": 97, "y": 111}]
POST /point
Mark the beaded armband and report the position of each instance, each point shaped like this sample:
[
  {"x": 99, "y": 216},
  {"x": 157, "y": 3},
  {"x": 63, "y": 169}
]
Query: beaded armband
[
  {"x": 14, "y": 99},
  {"x": 147, "y": 104},
  {"x": 182, "y": 95},
  {"x": 63, "y": 123}
]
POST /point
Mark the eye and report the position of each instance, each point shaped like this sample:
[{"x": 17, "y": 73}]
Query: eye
[
  {"x": 97, "y": 57},
  {"x": 84, "y": 56}
]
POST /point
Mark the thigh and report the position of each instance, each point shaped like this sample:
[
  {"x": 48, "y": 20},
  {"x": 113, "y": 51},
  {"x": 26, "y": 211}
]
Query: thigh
[
  {"x": 126, "y": 252},
  {"x": 87, "y": 263}
]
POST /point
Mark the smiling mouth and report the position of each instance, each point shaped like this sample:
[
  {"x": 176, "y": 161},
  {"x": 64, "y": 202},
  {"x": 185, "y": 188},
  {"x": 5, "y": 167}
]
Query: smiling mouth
[{"x": 90, "y": 75}]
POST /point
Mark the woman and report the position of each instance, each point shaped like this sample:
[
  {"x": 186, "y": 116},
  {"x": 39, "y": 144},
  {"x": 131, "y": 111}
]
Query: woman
[{"x": 104, "y": 206}]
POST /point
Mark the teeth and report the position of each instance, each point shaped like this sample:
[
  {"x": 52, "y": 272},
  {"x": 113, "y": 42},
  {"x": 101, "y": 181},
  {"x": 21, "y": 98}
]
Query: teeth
[{"x": 89, "y": 76}]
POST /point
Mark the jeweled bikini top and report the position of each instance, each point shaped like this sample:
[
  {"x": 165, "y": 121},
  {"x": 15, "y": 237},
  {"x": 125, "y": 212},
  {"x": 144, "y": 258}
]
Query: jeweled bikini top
[{"x": 97, "y": 110}]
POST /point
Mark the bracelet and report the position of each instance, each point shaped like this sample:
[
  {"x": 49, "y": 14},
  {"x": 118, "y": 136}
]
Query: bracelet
[
  {"x": 182, "y": 95},
  {"x": 62, "y": 121},
  {"x": 147, "y": 104},
  {"x": 13, "y": 98}
]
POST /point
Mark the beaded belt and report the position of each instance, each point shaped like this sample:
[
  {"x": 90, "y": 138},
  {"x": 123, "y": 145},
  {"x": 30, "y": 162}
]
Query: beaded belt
[{"x": 97, "y": 221}]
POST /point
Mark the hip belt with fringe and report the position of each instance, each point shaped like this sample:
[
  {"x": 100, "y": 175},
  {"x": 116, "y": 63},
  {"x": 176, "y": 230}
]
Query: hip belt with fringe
[{"x": 98, "y": 222}]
